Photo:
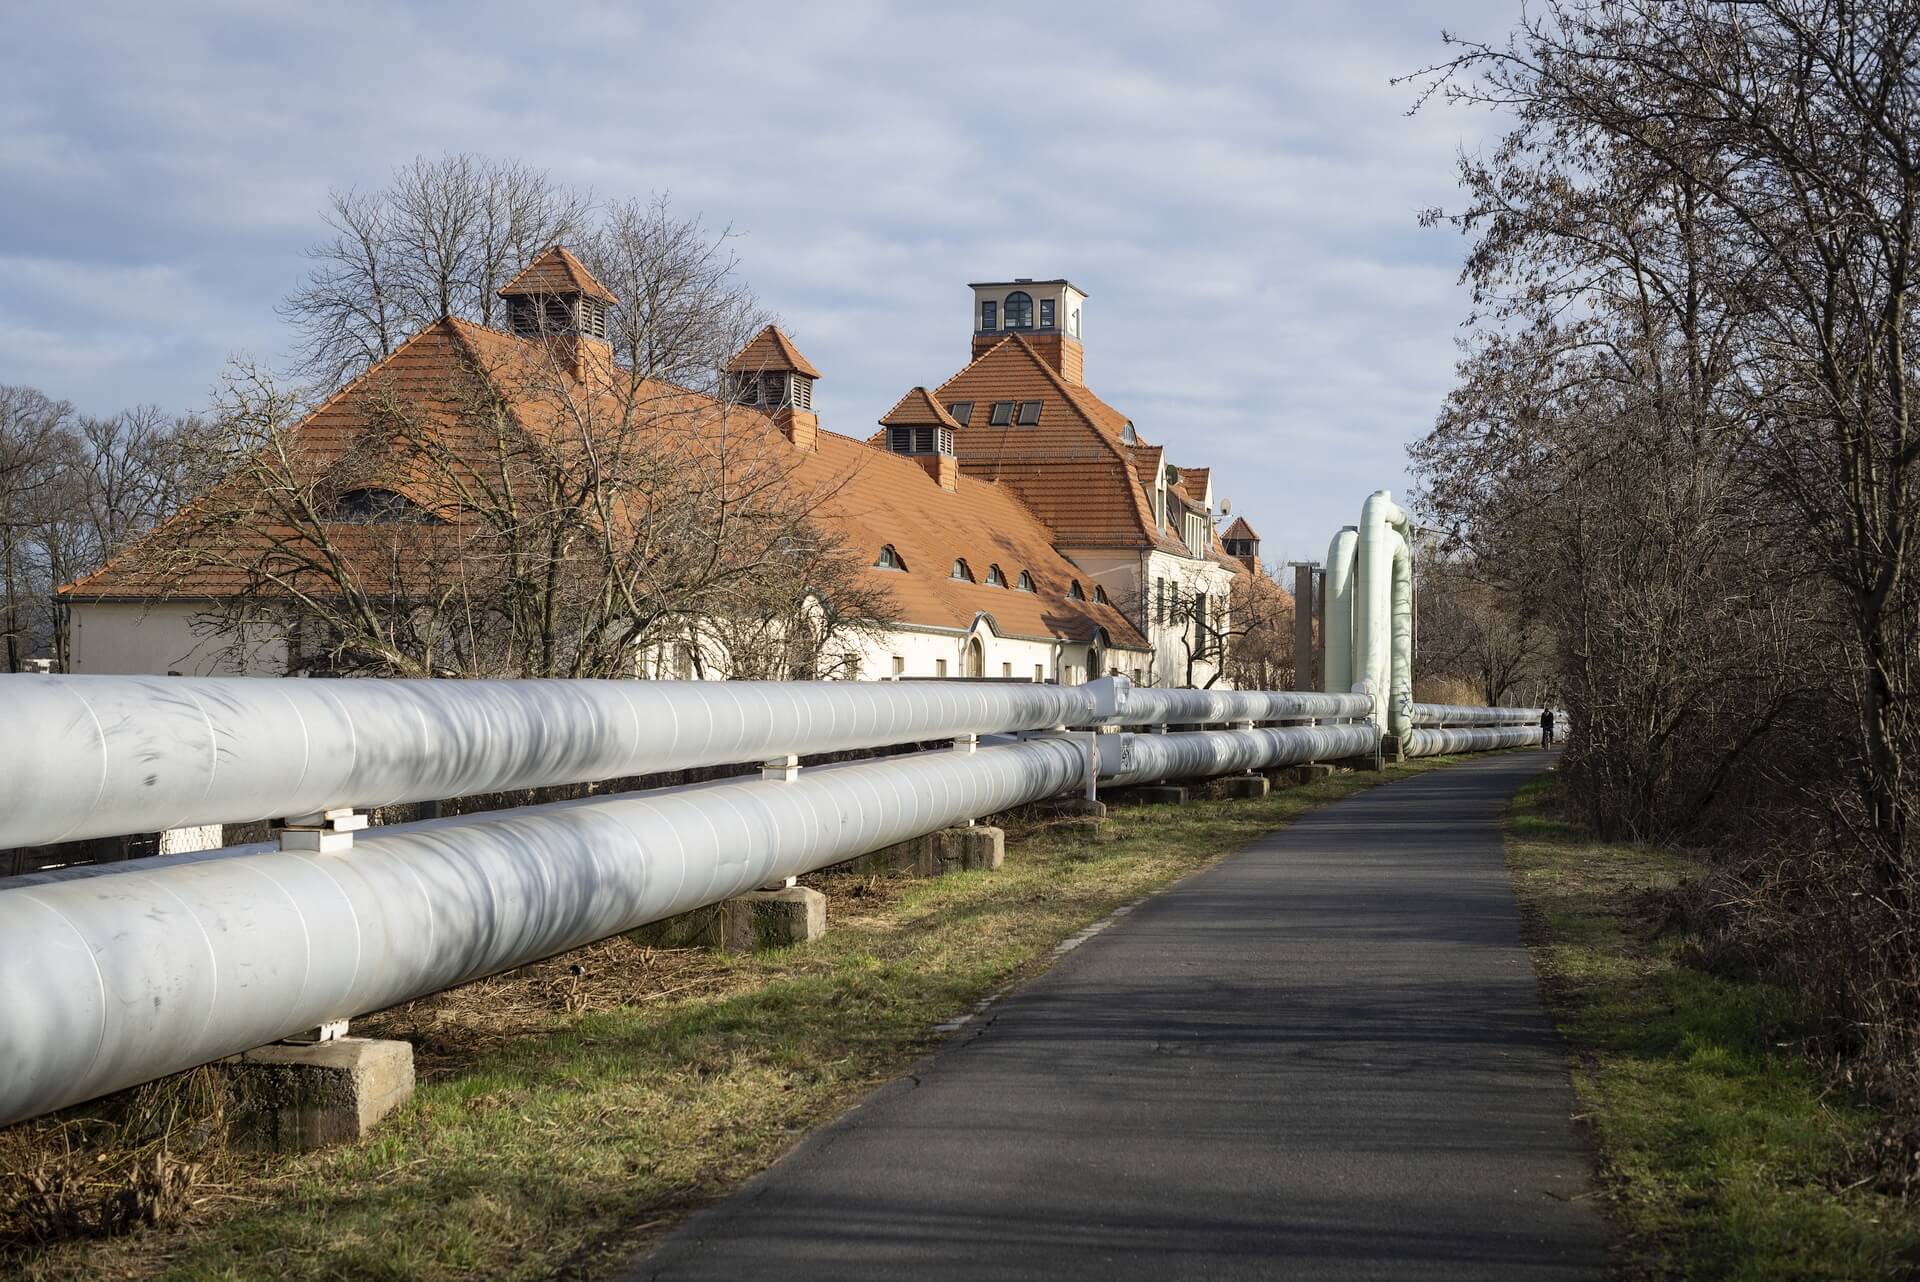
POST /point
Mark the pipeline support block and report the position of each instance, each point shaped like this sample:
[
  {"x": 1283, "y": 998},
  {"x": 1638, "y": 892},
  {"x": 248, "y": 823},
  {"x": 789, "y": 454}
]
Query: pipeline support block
[
  {"x": 1245, "y": 787},
  {"x": 292, "y": 1099}
]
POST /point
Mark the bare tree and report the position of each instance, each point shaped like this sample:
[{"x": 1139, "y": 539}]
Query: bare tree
[{"x": 440, "y": 240}]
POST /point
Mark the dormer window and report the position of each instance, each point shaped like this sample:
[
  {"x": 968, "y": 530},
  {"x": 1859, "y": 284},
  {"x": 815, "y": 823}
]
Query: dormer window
[
  {"x": 1001, "y": 414},
  {"x": 1100, "y": 595},
  {"x": 962, "y": 412},
  {"x": 1128, "y": 436},
  {"x": 889, "y": 559},
  {"x": 1029, "y": 413},
  {"x": 961, "y": 571},
  {"x": 1074, "y": 592},
  {"x": 379, "y": 507},
  {"x": 1026, "y": 581},
  {"x": 1046, "y": 313},
  {"x": 989, "y": 318},
  {"x": 995, "y": 579},
  {"x": 1019, "y": 310}
]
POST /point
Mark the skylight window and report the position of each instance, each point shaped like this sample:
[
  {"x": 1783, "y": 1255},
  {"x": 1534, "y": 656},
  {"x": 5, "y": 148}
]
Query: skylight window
[
  {"x": 1029, "y": 413},
  {"x": 962, "y": 412},
  {"x": 961, "y": 571},
  {"x": 1001, "y": 415}
]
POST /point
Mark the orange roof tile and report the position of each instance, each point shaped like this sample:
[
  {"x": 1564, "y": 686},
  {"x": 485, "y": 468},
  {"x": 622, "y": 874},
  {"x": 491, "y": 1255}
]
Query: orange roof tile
[
  {"x": 1239, "y": 530},
  {"x": 557, "y": 272},
  {"x": 771, "y": 351},
  {"x": 918, "y": 409}
]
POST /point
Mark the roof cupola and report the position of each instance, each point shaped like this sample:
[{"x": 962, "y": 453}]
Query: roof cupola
[
  {"x": 770, "y": 373},
  {"x": 1046, "y": 313},
  {"x": 920, "y": 429}
]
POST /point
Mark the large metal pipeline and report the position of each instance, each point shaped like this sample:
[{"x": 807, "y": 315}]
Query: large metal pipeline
[
  {"x": 1437, "y": 743},
  {"x": 1140, "y": 706},
  {"x": 1383, "y": 608},
  {"x": 1198, "y": 754},
  {"x": 105, "y": 756},
  {"x": 1338, "y": 623},
  {"x": 114, "y": 980},
  {"x": 1443, "y": 714}
]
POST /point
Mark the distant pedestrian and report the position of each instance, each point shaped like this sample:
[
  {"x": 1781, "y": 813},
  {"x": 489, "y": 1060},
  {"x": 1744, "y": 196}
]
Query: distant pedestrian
[{"x": 1546, "y": 728}]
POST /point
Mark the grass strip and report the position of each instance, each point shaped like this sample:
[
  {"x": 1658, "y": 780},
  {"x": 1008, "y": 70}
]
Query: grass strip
[
  {"x": 564, "y": 1146},
  {"x": 1723, "y": 1151}
]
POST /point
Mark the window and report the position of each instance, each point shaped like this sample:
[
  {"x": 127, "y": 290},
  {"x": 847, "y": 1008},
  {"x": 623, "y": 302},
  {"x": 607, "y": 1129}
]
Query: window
[
  {"x": 995, "y": 579},
  {"x": 899, "y": 666},
  {"x": 376, "y": 507},
  {"x": 889, "y": 559},
  {"x": 1100, "y": 595},
  {"x": 1026, "y": 581},
  {"x": 939, "y": 667},
  {"x": 1019, "y": 310},
  {"x": 962, "y": 412},
  {"x": 1006, "y": 671},
  {"x": 962, "y": 571},
  {"x": 1073, "y": 590},
  {"x": 1029, "y": 413},
  {"x": 1136, "y": 676},
  {"x": 1128, "y": 436},
  {"x": 988, "y": 319},
  {"x": 1046, "y": 313},
  {"x": 1001, "y": 415},
  {"x": 1039, "y": 672}
]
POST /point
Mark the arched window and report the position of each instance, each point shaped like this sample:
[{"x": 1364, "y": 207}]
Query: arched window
[
  {"x": 1019, "y": 310},
  {"x": 1073, "y": 590},
  {"x": 1026, "y": 581},
  {"x": 889, "y": 559},
  {"x": 1100, "y": 595},
  {"x": 1128, "y": 436},
  {"x": 961, "y": 571},
  {"x": 379, "y": 507},
  {"x": 995, "y": 579}
]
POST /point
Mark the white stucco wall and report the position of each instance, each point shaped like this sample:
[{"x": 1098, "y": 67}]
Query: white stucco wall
[{"x": 130, "y": 637}]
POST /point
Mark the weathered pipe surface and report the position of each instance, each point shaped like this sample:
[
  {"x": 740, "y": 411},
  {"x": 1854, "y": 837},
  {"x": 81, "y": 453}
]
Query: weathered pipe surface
[
  {"x": 1141, "y": 707},
  {"x": 1443, "y": 714},
  {"x": 118, "y": 979},
  {"x": 1203, "y": 754},
  {"x": 1440, "y": 743},
  {"x": 106, "y": 756}
]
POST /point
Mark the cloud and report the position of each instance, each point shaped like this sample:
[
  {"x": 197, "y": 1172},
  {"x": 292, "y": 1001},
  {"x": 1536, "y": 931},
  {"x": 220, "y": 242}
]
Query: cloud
[{"x": 1234, "y": 184}]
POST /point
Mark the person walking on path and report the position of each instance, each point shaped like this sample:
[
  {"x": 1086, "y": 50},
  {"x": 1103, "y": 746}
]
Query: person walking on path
[{"x": 1546, "y": 728}]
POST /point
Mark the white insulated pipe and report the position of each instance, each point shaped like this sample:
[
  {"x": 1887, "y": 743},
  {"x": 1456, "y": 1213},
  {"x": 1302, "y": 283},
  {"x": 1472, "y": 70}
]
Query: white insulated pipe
[
  {"x": 1205, "y": 754},
  {"x": 1439, "y": 743},
  {"x": 1338, "y": 623},
  {"x": 1140, "y": 706},
  {"x": 1442, "y": 714},
  {"x": 115, "y": 980},
  {"x": 105, "y": 756},
  {"x": 1383, "y": 609}
]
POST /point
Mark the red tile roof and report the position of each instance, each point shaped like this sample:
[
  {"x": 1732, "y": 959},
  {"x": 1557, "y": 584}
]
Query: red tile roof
[
  {"x": 769, "y": 352},
  {"x": 557, "y": 272},
  {"x": 918, "y": 409},
  {"x": 871, "y": 497},
  {"x": 1239, "y": 530}
]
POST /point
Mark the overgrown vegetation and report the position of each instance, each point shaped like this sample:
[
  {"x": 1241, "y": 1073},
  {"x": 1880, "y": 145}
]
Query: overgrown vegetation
[
  {"x": 1722, "y": 1150},
  {"x": 571, "y": 1111},
  {"x": 1682, "y": 446}
]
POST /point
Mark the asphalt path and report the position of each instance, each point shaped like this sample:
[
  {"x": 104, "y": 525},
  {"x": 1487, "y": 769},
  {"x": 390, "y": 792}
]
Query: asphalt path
[{"x": 1325, "y": 1057}]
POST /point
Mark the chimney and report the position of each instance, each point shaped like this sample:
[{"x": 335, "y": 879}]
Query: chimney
[
  {"x": 802, "y": 427},
  {"x": 920, "y": 429}
]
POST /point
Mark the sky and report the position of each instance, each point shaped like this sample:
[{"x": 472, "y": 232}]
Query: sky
[{"x": 1236, "y": 186}]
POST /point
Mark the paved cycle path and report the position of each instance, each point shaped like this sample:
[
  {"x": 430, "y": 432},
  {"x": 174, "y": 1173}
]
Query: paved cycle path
[{"x": 1322, "y": 1058}]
